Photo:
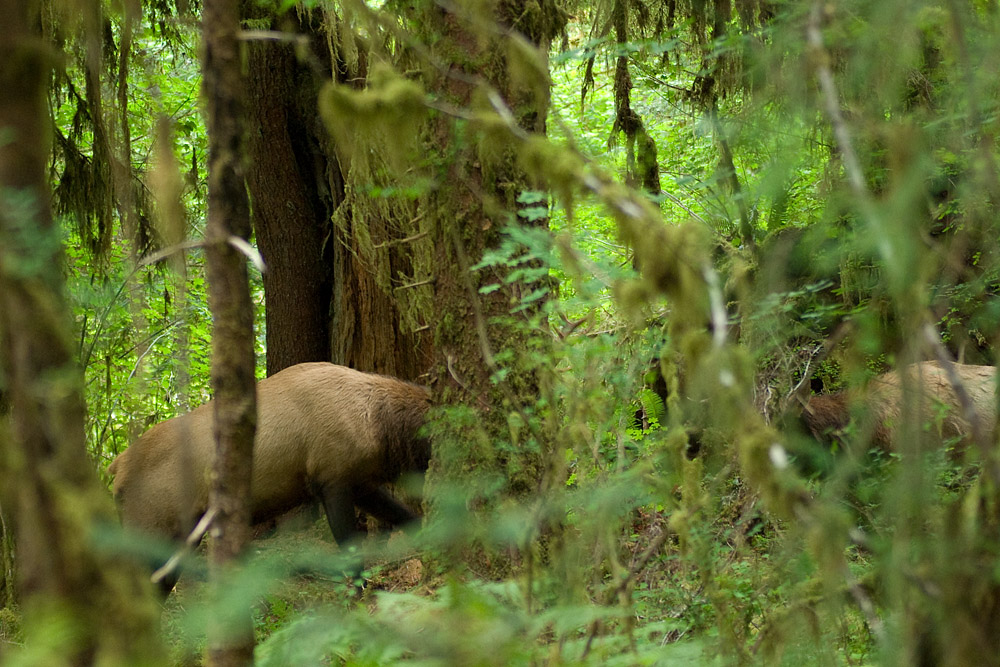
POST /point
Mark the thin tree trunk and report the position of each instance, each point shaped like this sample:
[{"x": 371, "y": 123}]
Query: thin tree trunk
[
  {"x": 56, "y": 497},
  {"x": 7, "y": 554},
  {"x": 641, "y": 166},
  {"x": 231, "y": 637}
]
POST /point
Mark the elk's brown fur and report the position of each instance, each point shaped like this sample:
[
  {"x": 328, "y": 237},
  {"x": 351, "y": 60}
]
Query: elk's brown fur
[
  {"x": 931, "y": 385},
  {"x": 324, "y": 432}
]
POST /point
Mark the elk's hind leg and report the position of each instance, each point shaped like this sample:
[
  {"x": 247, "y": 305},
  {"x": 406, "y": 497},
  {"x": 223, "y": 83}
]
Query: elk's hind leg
[
  {"x": 338, "y": 503},
  {"x": 378, "y": 502}
]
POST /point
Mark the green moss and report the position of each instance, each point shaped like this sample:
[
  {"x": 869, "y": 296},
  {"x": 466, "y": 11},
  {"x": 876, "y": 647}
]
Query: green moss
[{"x": 10, "y": 626}]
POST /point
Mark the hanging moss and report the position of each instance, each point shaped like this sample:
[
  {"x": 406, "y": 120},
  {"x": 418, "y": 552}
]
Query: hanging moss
[
  {"x": 378, "y": 132},
  {"x": 391, "y": 105},
  {"x": 84, "y": 193}
]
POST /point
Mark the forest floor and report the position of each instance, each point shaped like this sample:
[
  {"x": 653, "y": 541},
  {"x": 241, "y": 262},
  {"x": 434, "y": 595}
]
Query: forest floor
[{"x": 291, "y": 557}]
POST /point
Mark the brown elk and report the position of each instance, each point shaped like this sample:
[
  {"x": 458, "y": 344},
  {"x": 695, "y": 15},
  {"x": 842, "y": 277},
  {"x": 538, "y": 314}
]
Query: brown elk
[
  {"x": 958, "y": 399},
  {"x": 324, "y": 432}
]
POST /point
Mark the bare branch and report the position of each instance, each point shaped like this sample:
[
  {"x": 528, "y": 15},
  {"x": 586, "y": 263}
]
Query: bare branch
[
  {"x": 190, "y": 543},
  {"x": 162, "y": 254},
  {"x": 429, "y": 281},
  {"x": 248, "y": 251}
]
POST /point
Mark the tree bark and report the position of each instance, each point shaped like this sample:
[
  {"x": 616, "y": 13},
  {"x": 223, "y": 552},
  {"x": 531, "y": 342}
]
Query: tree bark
[
  {"x": 324, "y": 302},
  {"x": 368, "y": 331},
  {"x": 477, "y": 197},
  {"x": 231, "y": 640},
  {"x": 7, "y": 554},
  {"x": 295, "y": 185},
  {"x": 57, "y": 502}
]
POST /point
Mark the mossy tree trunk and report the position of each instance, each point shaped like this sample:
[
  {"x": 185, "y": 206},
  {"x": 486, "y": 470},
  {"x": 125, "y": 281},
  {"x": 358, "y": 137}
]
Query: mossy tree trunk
[
  {"x": 294, "y": 182},
  {"x": 58, "y": 502},
  {"x": 323, "y": 299},
  {"x": 8, "y": 595},
  {"x": 369, "y": 328},
  {"x": 7, "y": 556},
  {"x": 498, "y": 70},
  {"x": 231, "y": 641}
]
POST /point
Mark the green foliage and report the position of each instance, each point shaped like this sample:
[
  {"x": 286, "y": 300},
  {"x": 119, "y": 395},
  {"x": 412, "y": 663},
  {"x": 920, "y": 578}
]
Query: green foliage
[
  {"x": 477, "y": 623},
  {"x": 677, "y": 514},
  {"x": 10, "y": 627}
]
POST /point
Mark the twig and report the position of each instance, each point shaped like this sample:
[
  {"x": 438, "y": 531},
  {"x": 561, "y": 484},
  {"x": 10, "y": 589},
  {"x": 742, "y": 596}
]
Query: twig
[
  {"x": 964, "y": 401},
  {"x": 717, "y": 307},
  {"x": 796, "y": 390},
  {"x": 408, "y": 239},
  {"x": 248, "y": 251},
  {"x": 429, "y": 281},
  {"x": 563, "y": 334},
  {"x": 855, "y": 174},
  {"x": 135, "y": 369},
  {"x": 171, "y": 250},
  {"x": 85, "y": 358},
  {"x": 637, "y": 566},
  {"x": 240, "y": 244},
  {"x": 454, "y": 374},
  {"x": 961, "y": 393},
  {"x": 677, "y": 202},
  {"x": 866, "y": 605},
  {"x": 189, "y": 544},
  {"x": 796, "y": 395}
]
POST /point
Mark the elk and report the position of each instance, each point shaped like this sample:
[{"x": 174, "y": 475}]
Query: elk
[
  {"x": 324, "y": 432},
  {"x": 967, "y": 393}
]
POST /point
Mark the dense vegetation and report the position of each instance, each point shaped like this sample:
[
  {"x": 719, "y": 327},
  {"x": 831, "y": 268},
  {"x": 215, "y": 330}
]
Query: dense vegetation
[{"x": 727, "y": 207}]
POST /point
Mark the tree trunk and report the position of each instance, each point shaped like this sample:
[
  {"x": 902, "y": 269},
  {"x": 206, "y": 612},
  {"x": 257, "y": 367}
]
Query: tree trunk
[
  {"x": 57, "y": 500},
  {"x": 323, "y": 299},
  {"x": 482, "y": 184},
  {"x": 8, "y": 596},
  {"x": 295, "y": 186},
  {"x": 231, "y": 641},
  {"x": 369, "y": 333}
]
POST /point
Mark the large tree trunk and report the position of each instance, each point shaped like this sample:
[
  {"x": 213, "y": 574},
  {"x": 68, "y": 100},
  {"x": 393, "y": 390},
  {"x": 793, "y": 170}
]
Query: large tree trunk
[
  {"x": 369, "y": 329},
  {"x": 295, "y": 186},
  {"x": 478, "y": 196},
  {"x": 484, "y": 181},
  {"x": 232, "y": 640},
  {"x": 324, "y": 301},
  {"x": 57, "y": 500}
]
